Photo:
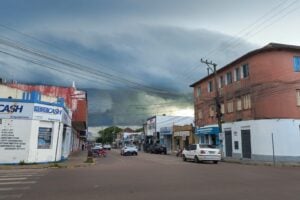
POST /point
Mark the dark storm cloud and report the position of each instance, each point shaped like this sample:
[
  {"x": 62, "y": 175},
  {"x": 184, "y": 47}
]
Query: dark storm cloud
[{"x": 143, "y": 41}]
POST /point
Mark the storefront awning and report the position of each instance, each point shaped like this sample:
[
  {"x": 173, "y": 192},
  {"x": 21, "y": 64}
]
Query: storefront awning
[{"x": 207, "y": 130}]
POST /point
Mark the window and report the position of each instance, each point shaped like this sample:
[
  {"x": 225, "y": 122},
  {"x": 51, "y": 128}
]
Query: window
[
  {"x": 198, "y": 91},
  {"x": 210, "y": 86},
  {"x": 229, "y": 78},
  {"x": 221, "y": 82},
  {"x": 212, "y": 111},
  {"x": 239, "y": 104},
  {"x": 298, "y": 97},
  {"x": 44, "y": 138},
  {"x": 247, "y": 101},
  {"x": 297, "y": 63},
  {"x": 236, "y": 145},
  {"x": 200, "y": 114},
  {"x": 230, "y": 106},
  {"x": 237, "y": 74},
  {"x": 245, "y": 69},
  {"x": 222, "y": 108}
]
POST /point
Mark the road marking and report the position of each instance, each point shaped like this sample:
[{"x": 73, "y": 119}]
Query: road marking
[
  {"x": 13, "y": 179},
  {"x": 10, "y": 196},
  {"x": 14, "y": 188},
  {"x": 17, "y": 182},
  {"x": 26, "y": 175}
]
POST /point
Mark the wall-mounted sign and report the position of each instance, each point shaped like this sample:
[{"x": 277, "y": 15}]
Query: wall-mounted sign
[
  {"x": 48, "y": 113},
  {"x": 15, "y": 110},
  {"x": 208, "y": 130}
]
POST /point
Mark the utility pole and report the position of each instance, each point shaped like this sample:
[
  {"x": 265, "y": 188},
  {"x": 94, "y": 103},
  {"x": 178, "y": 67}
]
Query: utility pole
[{"x": 213, "y": 67}]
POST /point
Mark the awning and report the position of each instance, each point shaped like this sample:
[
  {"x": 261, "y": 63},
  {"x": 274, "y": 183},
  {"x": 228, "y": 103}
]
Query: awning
[{"x": 208, "y": 130}]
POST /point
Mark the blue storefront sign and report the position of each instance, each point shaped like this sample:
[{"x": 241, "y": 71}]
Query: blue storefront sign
[
  {"x": 166, "y": 131},
  {"x": 208, "y": 130}
]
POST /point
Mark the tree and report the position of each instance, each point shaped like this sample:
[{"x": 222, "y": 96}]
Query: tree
[{"x": 109, "y": 134}]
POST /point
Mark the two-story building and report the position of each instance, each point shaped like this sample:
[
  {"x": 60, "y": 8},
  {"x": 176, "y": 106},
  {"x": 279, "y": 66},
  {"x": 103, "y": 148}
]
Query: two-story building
[{"x": 259, "y": 95}]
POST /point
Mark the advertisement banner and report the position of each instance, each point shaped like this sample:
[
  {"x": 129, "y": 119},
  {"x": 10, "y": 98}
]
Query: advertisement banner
[
  {"x": 47, "y": 113},
  {"x": 15, "y": 110}
]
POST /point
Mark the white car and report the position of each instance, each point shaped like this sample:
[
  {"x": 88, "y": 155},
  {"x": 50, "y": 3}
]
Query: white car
[
  {"x": 129, "y": 150},
  {"x": 201, "y": 152},
  {"x": 107, "y": 146}
]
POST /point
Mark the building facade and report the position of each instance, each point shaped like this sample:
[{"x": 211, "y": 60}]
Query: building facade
[
  {"x": 257, "y": 92},
  {"x": 36, "y": 128},
  {"x": 159, "y": 129}
]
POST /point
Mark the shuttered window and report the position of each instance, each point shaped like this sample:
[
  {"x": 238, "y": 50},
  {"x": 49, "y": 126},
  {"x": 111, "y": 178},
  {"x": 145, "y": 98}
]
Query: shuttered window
[
  {"x": 247, "y": 101},
  {"x": 230, "y": 106},
  {"x": 298, "y": 97},
  {"x": 212, "y": 111},
  {"x": 239, "y": 104},
  {"x": 200, "y": 114}
]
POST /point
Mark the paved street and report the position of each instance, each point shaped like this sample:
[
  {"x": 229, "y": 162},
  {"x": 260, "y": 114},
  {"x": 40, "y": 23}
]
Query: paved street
[{"x": 149, "y": 176}]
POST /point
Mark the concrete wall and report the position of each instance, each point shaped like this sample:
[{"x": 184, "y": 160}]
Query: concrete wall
[
  {"x": 10, "y": 92},
  {"x": 286, "y": 135},
  {"x": 15, "y": 140}
]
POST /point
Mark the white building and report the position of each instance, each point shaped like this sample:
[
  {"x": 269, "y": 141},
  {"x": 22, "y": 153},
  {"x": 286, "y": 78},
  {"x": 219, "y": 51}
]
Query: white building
[
  {"x": 262, "y": 140},
  {"x": 33, "y": 128}
]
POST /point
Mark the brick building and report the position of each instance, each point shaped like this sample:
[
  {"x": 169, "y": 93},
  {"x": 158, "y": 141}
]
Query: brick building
[{"x": 260, "y": 102}]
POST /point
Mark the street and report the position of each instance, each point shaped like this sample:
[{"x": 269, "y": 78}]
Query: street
[{"x": 149, "y": 176}]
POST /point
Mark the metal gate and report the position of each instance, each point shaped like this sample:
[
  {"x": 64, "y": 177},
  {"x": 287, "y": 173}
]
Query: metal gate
[
  {"x": 246, "y": 143},
  {"x": 228, "y": 143}
]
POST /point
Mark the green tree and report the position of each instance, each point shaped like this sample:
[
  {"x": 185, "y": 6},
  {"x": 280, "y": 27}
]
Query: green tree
[{"x": 109, "y": 134}]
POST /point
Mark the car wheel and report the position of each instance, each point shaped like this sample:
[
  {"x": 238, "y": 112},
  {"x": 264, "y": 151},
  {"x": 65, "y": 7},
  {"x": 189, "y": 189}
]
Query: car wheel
[
  {"x": 215, "y": 162},
  {"x": 183, "y": 158},
  {"x": 196, "y": 159},
  {"x": 136, "y": 153}
]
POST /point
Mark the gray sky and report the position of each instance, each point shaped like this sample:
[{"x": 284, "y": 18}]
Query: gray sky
[{"x": 127, "y": 53}]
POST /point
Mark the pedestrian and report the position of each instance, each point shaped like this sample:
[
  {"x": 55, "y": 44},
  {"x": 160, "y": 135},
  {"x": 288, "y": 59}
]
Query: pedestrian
[{"x": 82, "y": 147}]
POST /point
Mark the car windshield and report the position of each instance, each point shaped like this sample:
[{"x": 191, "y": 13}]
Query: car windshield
[{"x": 207, "y": 146}]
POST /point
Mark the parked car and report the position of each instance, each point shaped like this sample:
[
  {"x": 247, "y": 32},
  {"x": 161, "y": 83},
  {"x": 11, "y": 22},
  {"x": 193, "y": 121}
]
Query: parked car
[
  {"x": 158, "y": 148},
  {"x": 129, "y": 150},
  {"x": 97, "y": 146},
  {"x": 201, "y": 152},
  {"x": 107, "y": 146}
]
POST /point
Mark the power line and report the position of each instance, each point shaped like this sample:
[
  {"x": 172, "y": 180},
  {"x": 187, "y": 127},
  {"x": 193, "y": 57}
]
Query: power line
[
  {"x": 269, "y": 15},
  {"x": 85, "y": 68}
]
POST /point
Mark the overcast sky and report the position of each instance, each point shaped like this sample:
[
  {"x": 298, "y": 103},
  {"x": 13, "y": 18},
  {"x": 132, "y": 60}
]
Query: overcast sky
[{"x": 128, "y": 53}]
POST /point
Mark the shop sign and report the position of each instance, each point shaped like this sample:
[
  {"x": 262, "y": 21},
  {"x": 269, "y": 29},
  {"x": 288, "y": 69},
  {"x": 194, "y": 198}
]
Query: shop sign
[
  {"x": 48, "y": 113},
  {"x": 208, "y": 130},
  {"x": 15, "y": 110},
  {"x": 182, "y": 134},
  {"x": 166, "y": 131}
]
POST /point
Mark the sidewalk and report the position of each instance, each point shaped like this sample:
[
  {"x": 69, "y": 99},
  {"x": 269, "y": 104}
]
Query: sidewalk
[{"x": 76, "y": 159}]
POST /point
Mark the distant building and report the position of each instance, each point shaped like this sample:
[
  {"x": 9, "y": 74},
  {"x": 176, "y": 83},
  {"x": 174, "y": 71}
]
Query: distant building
[
  {"x": 159, "y": 129},
  {"x": 260, "y": 103},
  {"x": 39, "y": 124}
]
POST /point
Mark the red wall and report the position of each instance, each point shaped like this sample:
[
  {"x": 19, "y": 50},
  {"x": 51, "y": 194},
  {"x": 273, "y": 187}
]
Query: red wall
[{"x": 272, "y": 84}]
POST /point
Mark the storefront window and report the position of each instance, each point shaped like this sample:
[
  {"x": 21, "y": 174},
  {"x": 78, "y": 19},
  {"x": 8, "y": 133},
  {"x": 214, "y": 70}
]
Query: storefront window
[{"x": 44, "y": 138}]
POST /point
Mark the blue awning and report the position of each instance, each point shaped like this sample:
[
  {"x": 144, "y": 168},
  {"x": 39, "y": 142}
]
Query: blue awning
[{"x": 207, "y": 130}]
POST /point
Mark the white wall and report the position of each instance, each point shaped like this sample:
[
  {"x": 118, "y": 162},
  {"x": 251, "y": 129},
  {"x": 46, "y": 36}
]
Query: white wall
[
  {"x": 10, "y": 92},
  {"x": 286, "y": 135},
  {"x": 12, "y": 151},
  {"x": 45, "y": 155}
]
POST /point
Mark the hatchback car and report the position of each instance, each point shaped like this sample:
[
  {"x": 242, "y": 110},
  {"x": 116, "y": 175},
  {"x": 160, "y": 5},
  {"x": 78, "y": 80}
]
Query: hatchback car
[
  {"x": 200, "y": 152},
  {"x": 129, "y": 150},
  {"x": 107, "y": 146}
]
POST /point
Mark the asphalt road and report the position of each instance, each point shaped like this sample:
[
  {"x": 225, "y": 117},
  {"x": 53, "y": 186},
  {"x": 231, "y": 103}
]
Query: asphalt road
[{"x": 149, "y": 176}]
